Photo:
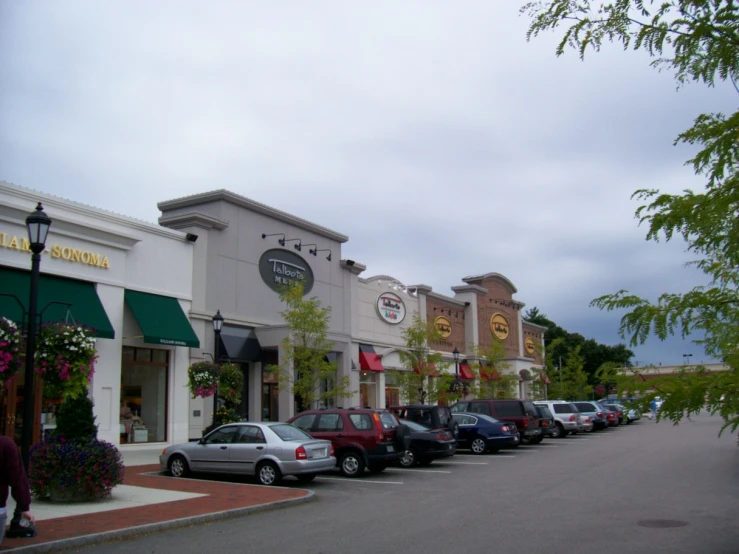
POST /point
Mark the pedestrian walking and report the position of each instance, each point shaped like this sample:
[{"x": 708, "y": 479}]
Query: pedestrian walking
[
  {"x": 13, "y": 479},
  {"x": 654, "y": 407}
]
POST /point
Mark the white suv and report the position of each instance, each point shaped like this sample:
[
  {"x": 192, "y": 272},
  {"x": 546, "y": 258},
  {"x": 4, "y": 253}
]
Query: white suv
[{"x": 566, "y": 416}]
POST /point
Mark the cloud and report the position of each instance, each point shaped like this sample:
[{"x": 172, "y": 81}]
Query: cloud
[{"x": 432, "y": 134}]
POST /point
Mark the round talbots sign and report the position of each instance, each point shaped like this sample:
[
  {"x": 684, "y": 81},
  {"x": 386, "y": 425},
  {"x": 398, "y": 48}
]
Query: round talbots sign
[
  {"x": 391, "y": 308},
  {"x": 282, "y": 268},
  {"x": 499, "y": 326},
  {"x": 443, "y": 327},
  {"x": 529, "y": 345}
]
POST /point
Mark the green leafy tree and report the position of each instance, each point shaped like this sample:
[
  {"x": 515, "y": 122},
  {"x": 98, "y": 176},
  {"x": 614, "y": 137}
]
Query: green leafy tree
[
  {"x": 423, "y": 379},
  {"x": 697, "y": 40},
  {"x": 503, "y": 384},
  {"x": 305, "y": 369}
]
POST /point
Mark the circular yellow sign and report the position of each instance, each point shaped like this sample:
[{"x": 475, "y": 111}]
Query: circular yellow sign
[
  {"x": 529, "y": 345},
  {"x": 443, "y": 327},
  {"x": 499, "y": 326}
]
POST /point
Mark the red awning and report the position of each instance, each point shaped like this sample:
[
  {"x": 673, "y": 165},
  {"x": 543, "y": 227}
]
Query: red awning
[
  {"x": 489, "y": 373},
  {"x": 430, "y": 366},
  {"x": 368, "y": 360},
  {"x": 465, "y": 372}
]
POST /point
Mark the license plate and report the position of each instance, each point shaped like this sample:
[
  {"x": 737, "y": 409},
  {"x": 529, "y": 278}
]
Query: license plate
[
  {"x": 390, "y": 448},
  {"x": 319, "y": 453}
]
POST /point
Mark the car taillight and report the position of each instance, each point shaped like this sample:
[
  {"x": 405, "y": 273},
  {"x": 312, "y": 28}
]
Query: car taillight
[
  {"x": 505, "y": 428},
  {"x": 525, "y": 423},
  {"x": 600, "y": 415},
  {"x": 572, "y": 417},
  {"x": 544, "y": 423},
  {"x": 378, "y": 425},
  {"x": 332, "y": 452},
  {"x": 443, "y": 436},
  {"x": 300, "y": 453}
]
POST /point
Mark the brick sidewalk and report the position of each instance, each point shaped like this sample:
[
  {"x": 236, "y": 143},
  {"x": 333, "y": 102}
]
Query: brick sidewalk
[{"x": 223, "y": 500}]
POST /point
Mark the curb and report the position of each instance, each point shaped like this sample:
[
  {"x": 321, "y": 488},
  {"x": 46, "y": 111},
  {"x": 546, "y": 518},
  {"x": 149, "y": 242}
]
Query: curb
[{"x": 131, "y": 532}]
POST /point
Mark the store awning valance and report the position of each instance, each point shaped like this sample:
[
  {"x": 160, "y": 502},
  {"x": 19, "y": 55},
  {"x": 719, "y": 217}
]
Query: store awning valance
[
  {"x": 161, "y": 319},
  {"x": 368, "y": 359},
  {"x": 240, "y": 344},
  {"x": 59, "y": 299},
  {"x": 430, "y": 368},
  {"x": 465, "y": 372}
]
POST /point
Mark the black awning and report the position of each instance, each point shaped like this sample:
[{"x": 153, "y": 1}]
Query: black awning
[{"x": 240, "y": 344}]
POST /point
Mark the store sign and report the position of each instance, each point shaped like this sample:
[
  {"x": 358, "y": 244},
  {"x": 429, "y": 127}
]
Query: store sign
[
  {"x": 529, "y": 345},
  {"x": 391, "y": 308},
  {"x": 499, "y": 326},
  {"x": 74, "y": 255},
  {"x": 282, "y": 268},
  {"x": 443, "y": 327}
]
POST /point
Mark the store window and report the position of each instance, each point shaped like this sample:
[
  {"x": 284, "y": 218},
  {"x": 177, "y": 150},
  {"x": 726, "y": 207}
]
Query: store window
[
  {"x": 392, "y": 390},
  {"x": 270, "y": 396},
  {"x": 367, "y": 389},
  {"x": 143, "y": 404}
]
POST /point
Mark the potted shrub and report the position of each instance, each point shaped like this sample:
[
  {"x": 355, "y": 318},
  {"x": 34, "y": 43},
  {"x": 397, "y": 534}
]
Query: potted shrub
[
  {"x": 230, "y": 383},
  {"x": 10, "y": 347},
  {"x": 202, "y": 379},
  {"x": 72, "y": 464}
]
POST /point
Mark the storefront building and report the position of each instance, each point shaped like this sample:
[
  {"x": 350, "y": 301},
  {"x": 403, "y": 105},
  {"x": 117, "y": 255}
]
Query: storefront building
[
  {"x": 129, "y": 280},
  {"x": 244, "y": 252}
]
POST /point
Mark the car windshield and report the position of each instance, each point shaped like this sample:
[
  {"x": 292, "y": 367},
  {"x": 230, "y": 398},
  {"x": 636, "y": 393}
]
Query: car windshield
[
  {"x": 289, "y": 432},
  {"x": 414, "y": 426}
]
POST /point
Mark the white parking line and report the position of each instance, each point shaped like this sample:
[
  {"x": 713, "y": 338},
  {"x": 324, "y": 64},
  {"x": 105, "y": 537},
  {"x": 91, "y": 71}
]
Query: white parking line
[
  {"x": 466, "y": 463},
  {"x": 505, "y": 455},
  {"x": 360, "y": 481},
  {"x": 421, "y": 470}
]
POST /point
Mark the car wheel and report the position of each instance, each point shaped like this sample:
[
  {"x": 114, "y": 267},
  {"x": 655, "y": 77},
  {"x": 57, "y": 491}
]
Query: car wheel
[
  {"x": 403, "y": 438},
  {"x": 178, "y": 466},
  {"x": 478, "y": 446},
  {"x": 377, "y": 468},
  {"x": 562, "y": 433},
  {"x": 306, "y": 477},
  {"x": 351, "y": 464},
  {"x": 454, "y": 429},
  {"x": 268, "y": 473},
  {"x": 409, "y": 459},
  {"x": 555, "y": 432}
]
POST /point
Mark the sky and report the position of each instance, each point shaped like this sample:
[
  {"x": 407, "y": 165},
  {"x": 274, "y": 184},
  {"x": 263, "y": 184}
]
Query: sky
[{"x": 431, "y": 133}]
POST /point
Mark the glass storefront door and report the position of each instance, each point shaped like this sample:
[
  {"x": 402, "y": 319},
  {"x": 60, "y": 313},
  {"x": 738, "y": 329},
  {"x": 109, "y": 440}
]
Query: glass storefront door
[
  {"x": 143, "y": 402},
  {"x": 368, "y": 389}
]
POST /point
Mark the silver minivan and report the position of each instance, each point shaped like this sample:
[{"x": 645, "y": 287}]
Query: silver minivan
[{"x": 566, "y": 416}]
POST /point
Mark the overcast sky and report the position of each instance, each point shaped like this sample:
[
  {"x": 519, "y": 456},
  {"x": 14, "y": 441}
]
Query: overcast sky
[{"x": 431, "y": 133}]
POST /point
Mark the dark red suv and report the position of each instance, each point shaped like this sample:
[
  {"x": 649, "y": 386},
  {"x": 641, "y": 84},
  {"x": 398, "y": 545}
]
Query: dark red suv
[{"x": 362, "y": 438}]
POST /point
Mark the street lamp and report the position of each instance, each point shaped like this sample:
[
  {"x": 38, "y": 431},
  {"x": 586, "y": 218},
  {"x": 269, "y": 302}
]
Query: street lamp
[
  {"x": 455, "y": 353},
  {"x": 217, "y": 325},
  {"x": 687, "y": 358},
  {"x": 38, "y": 224}
]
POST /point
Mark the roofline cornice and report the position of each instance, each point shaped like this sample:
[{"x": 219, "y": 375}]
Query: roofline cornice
[
  {"x": 252, "y": 205},
  {"x": 193, "y": 219}
]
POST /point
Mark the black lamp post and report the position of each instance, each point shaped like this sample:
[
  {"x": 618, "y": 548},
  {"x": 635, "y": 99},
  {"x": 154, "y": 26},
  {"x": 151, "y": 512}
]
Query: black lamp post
[
  {"x": 217, "y": 325},
  {"x": 38, "y": 224},
  {"x": 457, "y": 385}
]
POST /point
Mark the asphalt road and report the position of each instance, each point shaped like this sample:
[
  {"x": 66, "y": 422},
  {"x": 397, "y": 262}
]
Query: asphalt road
[{"x": 644, "y": 488}]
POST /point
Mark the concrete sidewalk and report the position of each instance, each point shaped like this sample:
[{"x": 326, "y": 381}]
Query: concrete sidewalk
[{"x": 148, "y": 502}]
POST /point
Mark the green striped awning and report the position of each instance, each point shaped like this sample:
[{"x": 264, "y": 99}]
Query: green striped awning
[
  {"x": 59, "y": 299},
  {"x": 161, "y": 319}
]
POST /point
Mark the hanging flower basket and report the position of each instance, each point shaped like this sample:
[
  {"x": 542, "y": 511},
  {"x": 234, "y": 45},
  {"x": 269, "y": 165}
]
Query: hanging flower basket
[
  {"x": 230, "y": 383},
  {"x": 65, "y": 359},
  {"x": 10, "y": 347},
  {"x": 202, "y": 379}
]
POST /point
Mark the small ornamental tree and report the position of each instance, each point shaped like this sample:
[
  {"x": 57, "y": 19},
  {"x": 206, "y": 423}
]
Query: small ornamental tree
[
  {"x": 424, "y": 379},
  {"x": 305, "y": 369},
  {"x": 491, "y": 379}
]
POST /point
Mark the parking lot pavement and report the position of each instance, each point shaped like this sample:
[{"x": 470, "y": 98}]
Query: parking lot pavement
[{"x": 639, "y": 489}]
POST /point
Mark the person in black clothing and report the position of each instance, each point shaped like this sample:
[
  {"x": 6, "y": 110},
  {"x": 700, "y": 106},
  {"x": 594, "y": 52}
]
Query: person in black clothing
[{"x": 13, "y": 479}]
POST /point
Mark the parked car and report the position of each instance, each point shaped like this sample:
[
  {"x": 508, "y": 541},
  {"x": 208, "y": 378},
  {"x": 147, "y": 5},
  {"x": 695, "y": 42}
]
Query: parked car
[
  {"x": 362, "y": 437},
  {"x": 586, "y": 424},
  {"x": 481, "y": 433},
  {"x": 566, "y": 416},
  {"x": 546, "y": 422},
  {"x": 268, "y": 450},
  {"x": 610, "y": 415},
  {"x": 594, "y": 412},
  {"x": 521, "y": 413},
  {"x": 427, "y": 444},
  {"x": 435, "y": 417},
  {"x": 620, "y": 412}
]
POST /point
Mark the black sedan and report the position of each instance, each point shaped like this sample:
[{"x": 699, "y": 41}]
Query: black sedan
[
  {"x": 482, "y": 433},
  {"x": 427, "y": 444}
]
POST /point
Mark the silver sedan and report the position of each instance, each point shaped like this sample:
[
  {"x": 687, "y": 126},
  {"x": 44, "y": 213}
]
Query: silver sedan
[{"x": 268, "y": 450}]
